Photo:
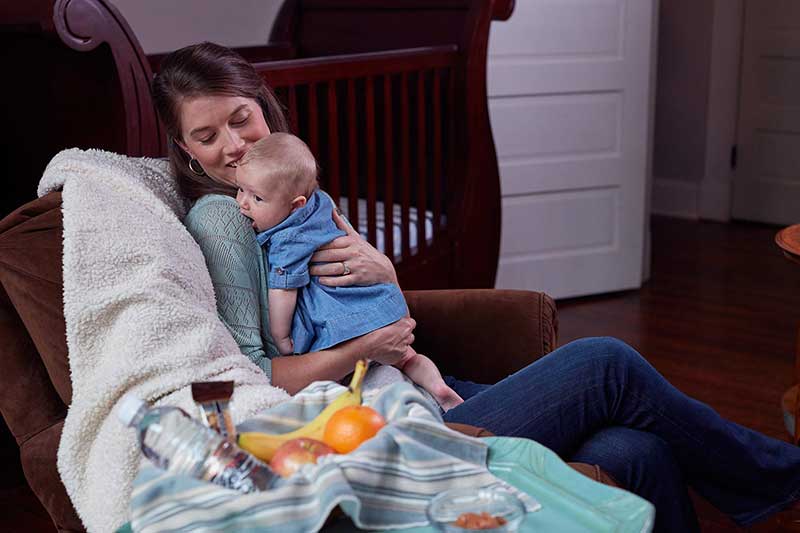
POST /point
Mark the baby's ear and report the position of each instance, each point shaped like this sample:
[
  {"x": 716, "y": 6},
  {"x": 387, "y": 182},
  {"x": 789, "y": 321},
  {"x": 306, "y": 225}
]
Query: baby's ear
[{"x": 298, "y": 202}]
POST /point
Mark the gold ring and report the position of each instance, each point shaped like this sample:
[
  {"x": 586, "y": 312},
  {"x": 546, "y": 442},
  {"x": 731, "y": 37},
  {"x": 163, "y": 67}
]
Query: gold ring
[{"x": 346, "y": 269}]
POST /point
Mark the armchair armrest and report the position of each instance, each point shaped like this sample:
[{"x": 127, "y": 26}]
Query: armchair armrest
[{"x": 483, "y": 335}]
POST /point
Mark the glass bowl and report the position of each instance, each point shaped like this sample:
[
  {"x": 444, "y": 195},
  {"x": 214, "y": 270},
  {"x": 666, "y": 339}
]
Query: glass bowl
[{"x": 445, "y": 508}]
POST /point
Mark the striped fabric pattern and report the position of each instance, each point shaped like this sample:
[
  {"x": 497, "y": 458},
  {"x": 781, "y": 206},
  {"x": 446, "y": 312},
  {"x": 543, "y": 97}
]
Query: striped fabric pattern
[{"x": 385, "y": 484}]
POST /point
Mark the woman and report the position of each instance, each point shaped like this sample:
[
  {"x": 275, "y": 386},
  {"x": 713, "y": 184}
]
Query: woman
[{"x": 593, "y": 400}]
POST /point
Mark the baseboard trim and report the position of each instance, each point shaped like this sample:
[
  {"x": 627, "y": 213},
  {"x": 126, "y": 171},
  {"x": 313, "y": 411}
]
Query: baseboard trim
[{"x": 715, "y": 199}]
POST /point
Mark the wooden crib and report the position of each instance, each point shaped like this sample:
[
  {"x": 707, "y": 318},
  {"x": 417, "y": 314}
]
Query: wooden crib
[{"x": 389, "y": 94}]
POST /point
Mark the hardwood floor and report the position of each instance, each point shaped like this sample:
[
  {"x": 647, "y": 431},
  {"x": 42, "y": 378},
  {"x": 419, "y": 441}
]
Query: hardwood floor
[{"x": 718, "y": 318}]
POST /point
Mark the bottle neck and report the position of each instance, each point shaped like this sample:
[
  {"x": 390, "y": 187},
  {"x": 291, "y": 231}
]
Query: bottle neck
[{"x": 138, "y": 416}]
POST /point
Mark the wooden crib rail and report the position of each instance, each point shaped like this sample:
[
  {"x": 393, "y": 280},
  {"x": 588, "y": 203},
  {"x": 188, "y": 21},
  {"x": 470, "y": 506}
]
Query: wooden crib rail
[
  {"x": 380, "y": 125},
  {"x": 317, "y": 69}
]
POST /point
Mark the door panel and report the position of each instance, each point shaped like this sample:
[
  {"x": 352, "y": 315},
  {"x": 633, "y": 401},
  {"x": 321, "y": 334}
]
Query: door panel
[
  {"x": 569, "y": 86},
  {"x": 594, "y": 208},
  {"x": 579, "y": 125}
]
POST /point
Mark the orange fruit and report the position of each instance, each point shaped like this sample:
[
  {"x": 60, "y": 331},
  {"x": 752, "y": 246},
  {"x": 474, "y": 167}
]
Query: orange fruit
[{"x": 348, "y": 427}]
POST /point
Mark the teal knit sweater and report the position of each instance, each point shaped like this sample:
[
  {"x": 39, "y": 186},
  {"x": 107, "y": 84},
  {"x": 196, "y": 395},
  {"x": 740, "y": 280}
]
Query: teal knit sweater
[{"x": 238, "y": 272}]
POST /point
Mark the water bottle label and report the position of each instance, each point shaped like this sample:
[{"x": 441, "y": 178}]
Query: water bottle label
[{"x": 238, "y": 470}]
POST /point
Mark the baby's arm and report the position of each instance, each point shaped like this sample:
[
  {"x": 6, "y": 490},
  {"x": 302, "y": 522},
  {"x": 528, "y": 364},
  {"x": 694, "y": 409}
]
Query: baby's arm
[{"x": 281, "y": 311}]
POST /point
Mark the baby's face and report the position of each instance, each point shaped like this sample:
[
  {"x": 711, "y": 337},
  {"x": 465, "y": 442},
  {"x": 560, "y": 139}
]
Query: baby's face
[{"x": 259, "y": 200}]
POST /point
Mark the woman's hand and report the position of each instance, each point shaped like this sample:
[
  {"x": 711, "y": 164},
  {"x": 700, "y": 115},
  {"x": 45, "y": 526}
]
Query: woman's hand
[
  {"x": 386, "y": 345},
  {"x": 350, "y": 260},
  {"x": 389, "y": 344}
]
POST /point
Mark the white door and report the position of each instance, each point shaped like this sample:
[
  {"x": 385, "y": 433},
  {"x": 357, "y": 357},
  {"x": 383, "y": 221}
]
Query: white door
[
  {"x": 766, "y": 185},
  {"x": 570, "y": 100}
]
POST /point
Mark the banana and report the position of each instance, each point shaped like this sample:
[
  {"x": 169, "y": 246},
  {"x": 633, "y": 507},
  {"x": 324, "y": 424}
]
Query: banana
[{"x": 263, "y": 445}]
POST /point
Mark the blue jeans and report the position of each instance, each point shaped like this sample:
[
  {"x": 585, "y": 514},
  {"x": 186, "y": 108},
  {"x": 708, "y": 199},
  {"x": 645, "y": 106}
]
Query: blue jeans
[{"x": 598, "y": 401}]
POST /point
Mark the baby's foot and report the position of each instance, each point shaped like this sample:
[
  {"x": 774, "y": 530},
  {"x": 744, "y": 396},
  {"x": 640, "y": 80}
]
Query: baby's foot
[{"x": 447, "y": 397}]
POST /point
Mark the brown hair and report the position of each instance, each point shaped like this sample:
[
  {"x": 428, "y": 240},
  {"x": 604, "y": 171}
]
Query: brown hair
[
  {"x": 285, "y": 160},
  {"x": 207, "y": 69}
]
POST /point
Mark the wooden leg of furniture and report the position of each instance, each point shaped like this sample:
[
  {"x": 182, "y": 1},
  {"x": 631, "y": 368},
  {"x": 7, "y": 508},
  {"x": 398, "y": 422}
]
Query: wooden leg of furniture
[
  {"x": 796, "y": 388},
  {"x": 791, "y": 399},
  {"x": 788, "y": 240}
]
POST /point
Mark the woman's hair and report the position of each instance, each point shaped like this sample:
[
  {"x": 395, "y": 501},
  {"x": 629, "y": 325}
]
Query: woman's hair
[{"x": 207, "y": 69}]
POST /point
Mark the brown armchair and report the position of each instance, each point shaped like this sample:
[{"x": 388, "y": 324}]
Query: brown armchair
[{"x": 458, "y": 328}]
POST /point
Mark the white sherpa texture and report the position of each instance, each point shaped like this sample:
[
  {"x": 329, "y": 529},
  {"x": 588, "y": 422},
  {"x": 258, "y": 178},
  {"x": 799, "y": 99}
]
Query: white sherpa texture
[{"x": 141, "y": 317}]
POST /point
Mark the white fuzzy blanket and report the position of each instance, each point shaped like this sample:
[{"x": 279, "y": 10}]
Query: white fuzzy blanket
[{"x": 140, "y": 315}]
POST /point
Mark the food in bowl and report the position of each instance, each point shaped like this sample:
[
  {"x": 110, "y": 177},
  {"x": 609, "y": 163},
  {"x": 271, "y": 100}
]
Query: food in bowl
[{"x": 479, "y": 521}]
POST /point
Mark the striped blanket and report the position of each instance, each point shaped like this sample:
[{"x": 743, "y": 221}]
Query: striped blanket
[{"x": 385, "y": 484}]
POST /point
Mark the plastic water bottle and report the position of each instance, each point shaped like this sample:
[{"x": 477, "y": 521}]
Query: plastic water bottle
[{"x": 174, "y": 441}]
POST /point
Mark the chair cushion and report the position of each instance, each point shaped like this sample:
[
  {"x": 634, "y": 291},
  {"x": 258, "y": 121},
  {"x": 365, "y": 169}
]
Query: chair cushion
[
  {"x": 467, "y": 344},
  {"x": 39, "y": 463},
  {"x": 30, "y": 271},
  {"x": 28, "y": 401},
  {"x": 33, "y": 349}
]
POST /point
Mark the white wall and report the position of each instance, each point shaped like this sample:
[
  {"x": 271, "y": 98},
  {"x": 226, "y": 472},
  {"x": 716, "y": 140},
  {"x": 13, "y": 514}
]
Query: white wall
[
  {"x": 723, "y": 104},
  {"x": 164, "y": 25},
  {"x": 696, "y": 107}
]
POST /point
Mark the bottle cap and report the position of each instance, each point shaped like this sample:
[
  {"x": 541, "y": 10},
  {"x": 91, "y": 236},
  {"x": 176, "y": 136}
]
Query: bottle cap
[{"x": 129, "y": 405}]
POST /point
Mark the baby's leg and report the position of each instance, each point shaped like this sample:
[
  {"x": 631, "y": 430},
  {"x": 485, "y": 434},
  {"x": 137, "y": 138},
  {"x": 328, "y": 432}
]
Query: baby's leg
[{"x": 424, "y": 373}]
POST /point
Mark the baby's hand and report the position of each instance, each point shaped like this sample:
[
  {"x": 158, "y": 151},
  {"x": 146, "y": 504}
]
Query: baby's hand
[{"x": 285, "y": 345}]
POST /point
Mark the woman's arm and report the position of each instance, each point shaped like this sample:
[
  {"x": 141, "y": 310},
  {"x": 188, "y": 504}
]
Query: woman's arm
[
  {"x": 233, "y": 259},
  {"x": 367, "y": 265},
  {"x": 386, "y": 345}
]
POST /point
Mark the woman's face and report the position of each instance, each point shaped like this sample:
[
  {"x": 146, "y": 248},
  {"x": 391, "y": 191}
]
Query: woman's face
[{"x": 219, "y": 130}]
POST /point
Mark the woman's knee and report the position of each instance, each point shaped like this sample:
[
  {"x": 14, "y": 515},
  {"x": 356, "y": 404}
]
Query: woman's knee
[{"x": 611, "y": 349}]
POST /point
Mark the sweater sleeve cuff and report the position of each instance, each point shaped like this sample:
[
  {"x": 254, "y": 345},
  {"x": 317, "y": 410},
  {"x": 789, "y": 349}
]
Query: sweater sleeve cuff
[{"x": 265, "y": 364}]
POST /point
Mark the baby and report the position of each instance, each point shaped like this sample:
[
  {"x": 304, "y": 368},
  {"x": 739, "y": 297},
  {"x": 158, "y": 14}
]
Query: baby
[{"x": 278, "y": 191}]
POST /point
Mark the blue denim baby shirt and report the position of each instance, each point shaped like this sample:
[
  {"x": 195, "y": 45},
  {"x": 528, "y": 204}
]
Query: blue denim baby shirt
[
  {"x": 290, "y": 244},
  {"x": 324, "y": 316}
]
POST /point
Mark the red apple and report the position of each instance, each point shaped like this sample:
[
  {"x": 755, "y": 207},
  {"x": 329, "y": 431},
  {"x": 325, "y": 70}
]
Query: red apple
[{"x": 292, "y": 454}]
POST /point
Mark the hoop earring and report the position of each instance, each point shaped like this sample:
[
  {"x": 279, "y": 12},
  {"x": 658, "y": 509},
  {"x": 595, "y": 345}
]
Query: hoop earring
[{"x": 194, "y": 166}]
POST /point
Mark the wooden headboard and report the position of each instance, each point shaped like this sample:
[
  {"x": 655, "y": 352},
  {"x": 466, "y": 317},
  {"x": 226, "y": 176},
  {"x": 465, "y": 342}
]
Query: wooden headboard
[{"x": 389, "y": 94}]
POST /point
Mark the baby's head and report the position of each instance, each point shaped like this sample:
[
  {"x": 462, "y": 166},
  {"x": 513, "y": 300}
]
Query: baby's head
[{"x": 275, "y": 177}]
